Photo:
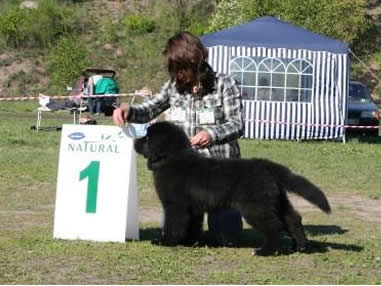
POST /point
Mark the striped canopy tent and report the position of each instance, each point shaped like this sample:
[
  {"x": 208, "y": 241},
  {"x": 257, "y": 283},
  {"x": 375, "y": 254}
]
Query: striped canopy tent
[{"x": 293, "y": 82}]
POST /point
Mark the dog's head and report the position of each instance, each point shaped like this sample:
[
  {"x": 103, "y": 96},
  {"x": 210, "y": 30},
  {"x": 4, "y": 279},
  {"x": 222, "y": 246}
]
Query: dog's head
[{"x": 164, "y": 140}]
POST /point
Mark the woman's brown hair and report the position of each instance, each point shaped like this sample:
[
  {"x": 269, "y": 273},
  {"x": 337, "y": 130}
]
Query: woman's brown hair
[{"x": 185, "y": 51}]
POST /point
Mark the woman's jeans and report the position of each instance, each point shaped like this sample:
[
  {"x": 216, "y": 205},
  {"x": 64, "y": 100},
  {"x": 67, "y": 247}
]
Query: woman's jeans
[{"x": 224, "y": 225}]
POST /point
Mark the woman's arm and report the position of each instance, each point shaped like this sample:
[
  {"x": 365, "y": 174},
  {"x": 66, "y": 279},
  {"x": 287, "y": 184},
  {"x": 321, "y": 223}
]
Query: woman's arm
[{"x": 145, "y": 111}]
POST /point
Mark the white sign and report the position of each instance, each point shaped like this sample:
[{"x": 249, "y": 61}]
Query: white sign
[{"x": 96, "y": 195}]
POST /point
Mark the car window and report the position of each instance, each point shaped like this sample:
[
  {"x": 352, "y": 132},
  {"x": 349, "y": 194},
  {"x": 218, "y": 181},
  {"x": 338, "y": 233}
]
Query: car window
[{"x": 358, "y": 93}]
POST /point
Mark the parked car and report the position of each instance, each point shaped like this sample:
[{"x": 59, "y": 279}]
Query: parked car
[{"x": 362, "y": 110}]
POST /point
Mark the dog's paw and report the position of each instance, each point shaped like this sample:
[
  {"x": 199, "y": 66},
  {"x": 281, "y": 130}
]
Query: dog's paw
[
  {"x": 299, "y": 247},
  {"x": 264, "y": 252},
  {"x": 163, "y": 242},
  {"x": 156, "y": 241}
]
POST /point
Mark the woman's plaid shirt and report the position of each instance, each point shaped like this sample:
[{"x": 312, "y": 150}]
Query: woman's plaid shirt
[{"x": 188, "y": 111}]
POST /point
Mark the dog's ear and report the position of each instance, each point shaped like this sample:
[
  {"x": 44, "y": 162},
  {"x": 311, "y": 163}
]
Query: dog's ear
[
  {"x": 149, "y": 164},
  {"x": 139, "y": 145},
  {"x": 142, "y": 148},
  {"x": 154, "y": 157}
]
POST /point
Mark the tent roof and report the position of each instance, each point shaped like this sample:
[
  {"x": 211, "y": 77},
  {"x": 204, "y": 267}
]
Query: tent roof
[{"x": 273, "y": 33}]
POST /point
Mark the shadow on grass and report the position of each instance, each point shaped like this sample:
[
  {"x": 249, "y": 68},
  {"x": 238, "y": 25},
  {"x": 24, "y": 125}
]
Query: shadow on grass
[
  {"x": 249, "y": 238},
  {"x": 358, "y": 137},
  {"x": 322, "y": 247},
  {"x": 313, "y": 230}
]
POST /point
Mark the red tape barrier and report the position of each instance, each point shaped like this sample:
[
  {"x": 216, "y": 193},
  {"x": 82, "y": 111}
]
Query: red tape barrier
[
  {"x": 312, "y": 125},
  {"x": 141, "y": 93},
  {"x": 144, "y": 94}
]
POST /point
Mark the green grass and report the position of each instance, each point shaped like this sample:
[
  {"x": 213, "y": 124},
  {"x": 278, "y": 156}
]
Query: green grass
[{"x": 345, "y": 245}]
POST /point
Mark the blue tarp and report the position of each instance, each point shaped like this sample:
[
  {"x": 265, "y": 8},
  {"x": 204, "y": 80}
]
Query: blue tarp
[{"x": 273, "y": 33}]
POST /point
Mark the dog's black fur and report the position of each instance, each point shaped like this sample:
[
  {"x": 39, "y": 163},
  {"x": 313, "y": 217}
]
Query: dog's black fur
[{"x": 189, "y": 184}]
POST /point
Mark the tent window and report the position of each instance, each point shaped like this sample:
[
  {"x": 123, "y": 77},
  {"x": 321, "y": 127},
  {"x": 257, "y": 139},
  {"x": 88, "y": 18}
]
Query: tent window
[
  {"x": 299, "y": 81},
  {"x": 244, "y": 71},
  {"x": 273, "y": 79}
]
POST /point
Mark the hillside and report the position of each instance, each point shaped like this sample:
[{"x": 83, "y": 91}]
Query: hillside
[
  {"x": 25, "y": 71},
  {"x": 137, "y": 58}
]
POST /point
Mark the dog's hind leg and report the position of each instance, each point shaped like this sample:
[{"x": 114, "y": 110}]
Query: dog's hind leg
[
  {"x": 271, "y": 244},
  {"x": 270, "y": 226},
  {"x": 295, "y": 228}
]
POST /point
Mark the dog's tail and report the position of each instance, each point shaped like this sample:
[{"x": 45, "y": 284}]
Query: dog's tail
[{"x": 302, "y": 187}]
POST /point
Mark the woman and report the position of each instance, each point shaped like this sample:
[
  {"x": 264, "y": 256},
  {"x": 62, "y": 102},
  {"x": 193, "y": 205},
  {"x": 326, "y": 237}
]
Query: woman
[{"x": 205, "y": 104}]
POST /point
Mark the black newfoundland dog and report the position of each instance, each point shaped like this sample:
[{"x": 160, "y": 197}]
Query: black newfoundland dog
[{"x": 189, "y": 184}]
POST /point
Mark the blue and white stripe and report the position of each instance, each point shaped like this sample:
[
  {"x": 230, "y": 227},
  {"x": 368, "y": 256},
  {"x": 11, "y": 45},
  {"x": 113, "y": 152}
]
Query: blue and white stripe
[{"x": 322, "y": 118}]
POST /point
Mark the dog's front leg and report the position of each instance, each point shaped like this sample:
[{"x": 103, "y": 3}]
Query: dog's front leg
[
  {"x": 175, "y": 225},
  {"x": 194, "y": 229}
]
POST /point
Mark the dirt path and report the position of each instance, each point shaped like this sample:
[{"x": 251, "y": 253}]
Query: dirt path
[
  {"x": 364, "y": 208},
  {"x": 150, "y": 211}
]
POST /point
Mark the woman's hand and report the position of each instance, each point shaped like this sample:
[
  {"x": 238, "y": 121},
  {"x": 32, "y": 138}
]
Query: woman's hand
[
  {"x": 202, "y": 139},
  {"x": 120, "y": 114}
]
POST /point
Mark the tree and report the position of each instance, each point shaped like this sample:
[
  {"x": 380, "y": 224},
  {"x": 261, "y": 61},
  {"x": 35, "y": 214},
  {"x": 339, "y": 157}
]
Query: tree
[
  {"x": 67, "y": 60},
  {"x": 345, "y": 20},
  {"x": 228, "y": 13}
]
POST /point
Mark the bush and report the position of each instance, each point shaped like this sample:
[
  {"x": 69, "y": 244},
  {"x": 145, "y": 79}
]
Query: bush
[
  {"x": 139, "y": 24},
  {"x": 40, "y": 27},
  {"x": 50, "y": 21},
  {"x": 67, "y": 61},
  {"x": 13, "y": 25}
]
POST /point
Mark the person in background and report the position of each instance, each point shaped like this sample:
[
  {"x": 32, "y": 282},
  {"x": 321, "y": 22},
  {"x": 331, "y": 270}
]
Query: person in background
[
  {"x": 206, "y": 105},
  {"x": 94, "y": 104}
]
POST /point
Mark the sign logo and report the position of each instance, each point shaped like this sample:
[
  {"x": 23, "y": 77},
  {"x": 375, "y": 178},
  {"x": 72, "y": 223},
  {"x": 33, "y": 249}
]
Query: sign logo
[
  {"x": 105, "y": 143},
  {"x": 76, "y": 136}
]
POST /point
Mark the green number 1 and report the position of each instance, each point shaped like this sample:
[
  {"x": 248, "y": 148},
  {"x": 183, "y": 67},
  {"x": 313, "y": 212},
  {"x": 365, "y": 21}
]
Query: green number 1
[{"x": 92, "y": 173}]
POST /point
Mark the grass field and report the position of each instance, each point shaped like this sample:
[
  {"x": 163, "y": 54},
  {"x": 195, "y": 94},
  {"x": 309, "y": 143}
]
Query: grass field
[{"x": 345, "y": 246}]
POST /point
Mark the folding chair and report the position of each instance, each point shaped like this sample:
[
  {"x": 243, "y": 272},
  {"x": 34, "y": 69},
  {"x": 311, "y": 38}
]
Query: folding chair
[{"x": 43, "y": 101}]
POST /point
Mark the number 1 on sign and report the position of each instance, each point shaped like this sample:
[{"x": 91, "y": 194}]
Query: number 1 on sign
[{"x": 92, "y": 173}]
